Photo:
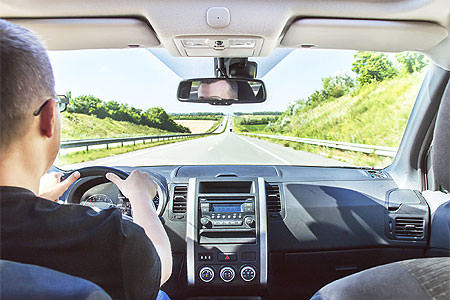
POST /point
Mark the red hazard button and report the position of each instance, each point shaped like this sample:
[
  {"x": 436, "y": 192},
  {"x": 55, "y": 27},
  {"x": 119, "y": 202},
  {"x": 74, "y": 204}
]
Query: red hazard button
[{"x": 227, "y": 257}]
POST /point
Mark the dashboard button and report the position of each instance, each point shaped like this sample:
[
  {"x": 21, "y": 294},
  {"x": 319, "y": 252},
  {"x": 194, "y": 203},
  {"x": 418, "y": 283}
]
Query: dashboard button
[
  {"x": 248, "y": 256},
  {"x": 227, "y": 274},
  {"x": 248, "y": 273},
  {"x": 206, "y": 274},
  {"x": 205, "y": 207},
  {"x": 250, "y": 221},
  {"x": 205, "y": 221},
  {"x": 227, "y": 257},
  {"x": 205, "y": 257}
]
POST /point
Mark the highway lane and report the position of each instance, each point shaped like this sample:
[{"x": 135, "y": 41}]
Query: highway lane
[{"x": 226, "y": 148}]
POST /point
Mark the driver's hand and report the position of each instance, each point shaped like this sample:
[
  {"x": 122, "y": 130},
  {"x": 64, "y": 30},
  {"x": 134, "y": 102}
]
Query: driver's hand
[
  {"x": 51, "y": 187},
  {"x": 138, "y": 185}
]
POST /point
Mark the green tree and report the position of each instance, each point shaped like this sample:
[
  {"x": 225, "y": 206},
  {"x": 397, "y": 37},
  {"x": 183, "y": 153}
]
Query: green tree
[
  {"x": 412, "y": 62},
  {"x": 154, "y": 117},
  {"x": 371, "y": 67},
  {"x": 337, "y": 86}
]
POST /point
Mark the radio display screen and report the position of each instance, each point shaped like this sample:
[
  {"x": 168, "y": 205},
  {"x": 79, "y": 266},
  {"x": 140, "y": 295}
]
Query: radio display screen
[{"x": 226, "y": 208}]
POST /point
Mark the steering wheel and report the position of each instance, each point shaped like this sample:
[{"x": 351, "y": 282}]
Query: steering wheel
[{"x": 95, "y": 176}]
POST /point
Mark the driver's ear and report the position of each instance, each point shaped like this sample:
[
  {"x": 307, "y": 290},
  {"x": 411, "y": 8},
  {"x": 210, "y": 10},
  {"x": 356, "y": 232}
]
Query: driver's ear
[{"x": 47, "y": 119}]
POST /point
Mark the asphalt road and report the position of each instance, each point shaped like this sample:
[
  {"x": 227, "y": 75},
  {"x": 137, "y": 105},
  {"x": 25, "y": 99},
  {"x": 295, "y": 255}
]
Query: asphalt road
[{"x": 226, "y": 148}]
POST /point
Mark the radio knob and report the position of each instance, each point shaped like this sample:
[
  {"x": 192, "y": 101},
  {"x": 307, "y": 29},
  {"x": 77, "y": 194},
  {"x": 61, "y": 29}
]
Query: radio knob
[
  {"x": 250, "y": 221},
  {"x": 206, "y": 274},
  {"x": 205, "y": 221},
  {"x": 227, "y": 274},
  {"x": 248, "y": 273}
]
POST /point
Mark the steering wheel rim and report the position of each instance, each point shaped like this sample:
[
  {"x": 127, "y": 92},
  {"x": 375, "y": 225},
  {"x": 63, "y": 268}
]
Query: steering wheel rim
[
  {"x": 97, "y": 171},
  {"x": 101, "y": 171}
]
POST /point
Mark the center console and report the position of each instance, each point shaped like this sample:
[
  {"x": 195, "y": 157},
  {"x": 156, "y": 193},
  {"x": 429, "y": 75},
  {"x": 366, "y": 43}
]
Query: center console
[{"x": 226, "y": 232}]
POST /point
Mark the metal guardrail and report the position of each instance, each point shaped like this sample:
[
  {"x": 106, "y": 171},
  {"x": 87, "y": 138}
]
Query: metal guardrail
[
  {"x": 93, "y": 142},
  {"x": 370, "y": 149}
]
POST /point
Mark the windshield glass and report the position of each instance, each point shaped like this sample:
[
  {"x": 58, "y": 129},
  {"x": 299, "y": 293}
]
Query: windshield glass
[{"x": 323, "y": 108}]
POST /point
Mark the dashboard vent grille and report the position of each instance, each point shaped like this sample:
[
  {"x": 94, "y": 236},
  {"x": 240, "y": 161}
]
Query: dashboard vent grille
[
  {"x": 409, "y": 227},
  {"x": 179, "y": 199},
  {"x": 273, "y": 199}
]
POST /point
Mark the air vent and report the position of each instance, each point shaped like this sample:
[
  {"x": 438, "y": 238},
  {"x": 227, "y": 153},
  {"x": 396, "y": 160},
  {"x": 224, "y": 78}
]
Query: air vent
[
  {"x": 409, "y": 228},
  {"x": 179, "y": 199},
  {"x": 377, "y": 174},
  {"x": 273, "y": 200}
]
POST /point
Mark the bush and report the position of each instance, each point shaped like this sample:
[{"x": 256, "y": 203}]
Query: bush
[{"x": 255, "y": 121}]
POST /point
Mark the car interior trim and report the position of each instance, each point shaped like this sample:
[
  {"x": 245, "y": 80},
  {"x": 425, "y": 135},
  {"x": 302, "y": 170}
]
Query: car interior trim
[
  {"x": 190, "y": 231},
  {"x": 263, "y": 230}
]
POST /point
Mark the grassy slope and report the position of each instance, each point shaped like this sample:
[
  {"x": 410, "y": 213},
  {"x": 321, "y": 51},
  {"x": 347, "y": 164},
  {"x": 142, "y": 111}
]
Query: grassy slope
[
  {"x": 376, "y": 115},
  {"x": 80, "y": 126}
]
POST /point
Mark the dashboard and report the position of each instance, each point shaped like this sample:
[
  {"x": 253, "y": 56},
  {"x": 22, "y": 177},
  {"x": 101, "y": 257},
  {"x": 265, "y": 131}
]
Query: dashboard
[{"x": 277, "y": 230}]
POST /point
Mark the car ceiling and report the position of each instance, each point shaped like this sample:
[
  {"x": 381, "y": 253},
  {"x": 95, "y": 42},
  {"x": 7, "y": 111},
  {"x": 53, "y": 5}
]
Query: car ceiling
[{"x": 386, "y": 25}]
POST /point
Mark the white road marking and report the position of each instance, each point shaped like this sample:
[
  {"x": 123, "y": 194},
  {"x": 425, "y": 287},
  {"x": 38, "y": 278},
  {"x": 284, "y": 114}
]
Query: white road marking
[{"x": 265, "y": 150}]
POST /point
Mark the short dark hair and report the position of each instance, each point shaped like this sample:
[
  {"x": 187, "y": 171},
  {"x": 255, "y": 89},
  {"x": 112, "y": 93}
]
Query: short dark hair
[{"x": 26, "y": 79}]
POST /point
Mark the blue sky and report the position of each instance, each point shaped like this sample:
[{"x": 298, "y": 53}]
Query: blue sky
[{"x": 139, "y": 78}]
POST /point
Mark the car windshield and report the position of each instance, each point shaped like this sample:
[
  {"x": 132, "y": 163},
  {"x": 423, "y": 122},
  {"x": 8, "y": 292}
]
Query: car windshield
[{"x": 323, "y": 108}]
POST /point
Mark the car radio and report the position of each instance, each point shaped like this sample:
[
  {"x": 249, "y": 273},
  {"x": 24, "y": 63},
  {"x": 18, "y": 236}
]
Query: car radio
[{"x": 227, "y": 213}]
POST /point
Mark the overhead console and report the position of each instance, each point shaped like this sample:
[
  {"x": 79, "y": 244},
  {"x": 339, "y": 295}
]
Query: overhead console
[
  {"x": 226, "y": 232},
  {"x": 223, "y": 46}
]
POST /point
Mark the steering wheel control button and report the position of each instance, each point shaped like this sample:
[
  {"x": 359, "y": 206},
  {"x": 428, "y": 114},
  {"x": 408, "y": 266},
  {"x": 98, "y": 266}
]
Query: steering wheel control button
[
  {"x": 206, "y": 274},
  {"x": 224, "y": 257},
  {"x": 248, "y": 273},
  {"x": 227, "y": 274}
]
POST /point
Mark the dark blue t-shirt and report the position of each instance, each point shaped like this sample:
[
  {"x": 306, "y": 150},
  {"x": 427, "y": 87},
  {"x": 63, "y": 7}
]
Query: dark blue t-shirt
[{"x": 98, "y": 246}]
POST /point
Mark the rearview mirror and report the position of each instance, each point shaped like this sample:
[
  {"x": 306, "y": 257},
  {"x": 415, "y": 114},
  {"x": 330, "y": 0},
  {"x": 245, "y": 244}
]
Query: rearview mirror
[{"x": 222, "y": 91}]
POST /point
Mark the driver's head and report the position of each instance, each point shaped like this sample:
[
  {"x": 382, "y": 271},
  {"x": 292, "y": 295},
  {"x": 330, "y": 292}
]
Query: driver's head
[
  {"x": 218, "y": 88},
  {"x": 26, "y": 85}
]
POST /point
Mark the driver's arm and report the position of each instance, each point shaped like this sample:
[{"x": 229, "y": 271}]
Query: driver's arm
[{"x": 140, "y": 189}]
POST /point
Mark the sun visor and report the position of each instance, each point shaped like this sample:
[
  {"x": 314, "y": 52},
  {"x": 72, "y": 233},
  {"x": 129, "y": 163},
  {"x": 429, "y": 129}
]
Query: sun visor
[
  {"x": 371, "y": 35},
  {"x": 91, "y": 33}
]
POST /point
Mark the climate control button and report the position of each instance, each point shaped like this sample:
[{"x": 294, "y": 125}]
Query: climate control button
[
  {"x": 206, "y": 274},
  {"x": 227, "y": 274},
  {"x": 248, "y": 273}
]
